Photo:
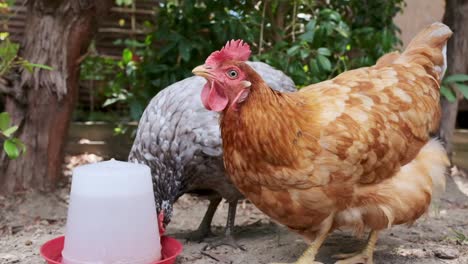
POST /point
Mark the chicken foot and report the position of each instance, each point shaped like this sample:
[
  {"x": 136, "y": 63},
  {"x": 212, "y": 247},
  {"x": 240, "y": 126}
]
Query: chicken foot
[
  {"x": 365, "y": 256},
  {"x": 204, "y": 230},
  {"x": 227, "y": 239},
  {"x": 308, "y": 257}
]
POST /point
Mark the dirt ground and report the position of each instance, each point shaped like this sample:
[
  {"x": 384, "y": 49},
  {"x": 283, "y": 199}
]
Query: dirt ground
[{"x": 29, "y": 219}]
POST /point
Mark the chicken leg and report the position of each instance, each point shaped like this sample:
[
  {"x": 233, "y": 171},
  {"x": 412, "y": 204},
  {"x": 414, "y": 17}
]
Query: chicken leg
[
  {"x": 308, "y": 257},
  {"x": 365, "y": 256},
  {"x": 204, "y": 230},
  {"x": 228, "y": 239}
]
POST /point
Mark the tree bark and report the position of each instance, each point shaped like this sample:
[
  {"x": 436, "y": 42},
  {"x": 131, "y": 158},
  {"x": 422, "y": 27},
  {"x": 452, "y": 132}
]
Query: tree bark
[
  {"x": 57, "y": 34},
  {"x": 456, "y": 18}
]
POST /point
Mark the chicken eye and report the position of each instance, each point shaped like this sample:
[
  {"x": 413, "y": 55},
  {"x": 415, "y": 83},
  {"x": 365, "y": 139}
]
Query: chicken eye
[{"x": 232, "y": 74}]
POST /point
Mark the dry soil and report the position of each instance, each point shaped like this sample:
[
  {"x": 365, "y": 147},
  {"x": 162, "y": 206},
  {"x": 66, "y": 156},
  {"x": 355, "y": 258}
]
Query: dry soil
[{"x": 29, "y": 219}]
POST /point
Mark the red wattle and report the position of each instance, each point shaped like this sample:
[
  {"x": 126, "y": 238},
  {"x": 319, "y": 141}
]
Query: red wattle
[{"x": 213, "y": 97}]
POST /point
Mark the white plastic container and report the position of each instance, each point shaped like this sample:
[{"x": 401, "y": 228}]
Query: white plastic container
[{"x": 112, "y": 215}]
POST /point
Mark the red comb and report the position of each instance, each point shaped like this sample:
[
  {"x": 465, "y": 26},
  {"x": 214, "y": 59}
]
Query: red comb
[{"x": 233, "y": 50}]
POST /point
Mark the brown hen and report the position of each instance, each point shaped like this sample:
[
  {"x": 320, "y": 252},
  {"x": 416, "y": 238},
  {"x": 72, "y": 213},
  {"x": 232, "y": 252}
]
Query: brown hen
[{"x": 354, "y": 151}]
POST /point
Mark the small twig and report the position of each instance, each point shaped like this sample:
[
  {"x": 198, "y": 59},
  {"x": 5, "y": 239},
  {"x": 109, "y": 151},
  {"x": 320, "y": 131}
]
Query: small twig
[
  {"x": 5, "y": 89},
  {"x": 208, "y": 255},
  {"x": 16, "y": 95},
  {"x": 293, "y": 33},
  {"x": 294, "y": 21},
  {"x": 82, "y": 57}
]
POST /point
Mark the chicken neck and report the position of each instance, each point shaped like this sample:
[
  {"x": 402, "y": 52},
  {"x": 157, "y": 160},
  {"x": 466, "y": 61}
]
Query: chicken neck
[{"x": 268, "y": 123}]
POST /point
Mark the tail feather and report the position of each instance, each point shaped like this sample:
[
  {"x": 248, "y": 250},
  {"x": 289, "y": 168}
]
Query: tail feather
[
  {"x": 436, "y": 162},
  {"x": 402, "y": 198},
  {"x": 428, "y": 49}
]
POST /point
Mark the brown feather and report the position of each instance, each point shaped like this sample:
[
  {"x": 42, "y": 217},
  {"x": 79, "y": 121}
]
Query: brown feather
[{"x": 356, "y": 145}]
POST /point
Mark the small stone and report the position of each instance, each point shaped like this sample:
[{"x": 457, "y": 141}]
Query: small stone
[
  {"x": 446, "y": 253},
  {"x": 28, "y": 242},
  {"x": 8, "y": 258}
]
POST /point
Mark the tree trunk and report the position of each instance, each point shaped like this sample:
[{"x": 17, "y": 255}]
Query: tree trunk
[
  {"x": 57, "y": 34},
  {"x": 456, "y": 18}
]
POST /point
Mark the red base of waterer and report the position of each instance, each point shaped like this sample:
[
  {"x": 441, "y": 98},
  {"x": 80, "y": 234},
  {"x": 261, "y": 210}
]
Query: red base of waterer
[{"x": 51, "y": 251}]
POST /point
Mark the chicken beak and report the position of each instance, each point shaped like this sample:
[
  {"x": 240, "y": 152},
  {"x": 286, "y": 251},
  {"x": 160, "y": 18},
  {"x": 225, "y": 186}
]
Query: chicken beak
[{"x": 201, "y": 71}]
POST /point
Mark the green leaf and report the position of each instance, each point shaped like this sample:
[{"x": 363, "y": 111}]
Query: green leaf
[
  {"x": 123, "y": 2},
  {"x": 304, "y": 54},
  {"x": 331, "y": 14},
  {"x": 448, "y": 93},
  {"x": 127, "y": 56},
  {"x": 324, "y": 51},
  {"x": 4, "y": 35},
  {"x": 20, "y": 145},
  {"x": 28, "y": 67},
  {"x": 456, "y": 78},
  {"x": 324, "y": 62},
  {"x": 463, "y": 89},
  {"x": 4, "y": 121},
  {"x": 335, "y": 16},
  {"x": 314, "y": 66},
  {"x": 311, "y": 25},
  {"x": 40, "y": 66},
  {"x": 307, "y": 36},
  {"x": 11, "y": 149},
  {"x": 343, "y": 31},
  {"x": 110, "y": 101},
  {"x": 9, "y": 131},
  {"x": 293, "y": 50}
]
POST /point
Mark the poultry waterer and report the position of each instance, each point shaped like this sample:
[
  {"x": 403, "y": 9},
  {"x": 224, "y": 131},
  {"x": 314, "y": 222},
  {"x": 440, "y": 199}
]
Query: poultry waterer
[{"x": 112, "y": 219}]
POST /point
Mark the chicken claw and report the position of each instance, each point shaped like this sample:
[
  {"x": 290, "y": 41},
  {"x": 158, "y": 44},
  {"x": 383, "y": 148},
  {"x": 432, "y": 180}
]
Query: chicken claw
[
  {"x": 204, "y": 230},
  {"x": 308, "y": 257},
  {"x": 360, "y": 258},
  {"x": 227, "y": 240},
  {"x": 364, "y": 257}
]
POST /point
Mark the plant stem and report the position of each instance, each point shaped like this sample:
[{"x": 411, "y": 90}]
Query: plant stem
[
  {"x": 294, "y": 21},
  {"x": 262, "y": 26}
]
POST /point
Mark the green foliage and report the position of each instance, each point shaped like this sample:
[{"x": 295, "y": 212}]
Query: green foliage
[
  {"x": 180, "y": 39},
  {"x": 12, "y": 146},
  {"x": 95, "y": 68},
  {"x": 184, "y": 33},
  {"x": 310, "y": 41},
  {"x": 9, "y": 50},
  {"x": 127, "y": 85},
  {"x": 8, "y": 53},
  {"x": 9, "y": 59},
  {"x": 123, "y": 2},
  {"x": 334, "y": 37},
  {"x": 453, "y": 83}
]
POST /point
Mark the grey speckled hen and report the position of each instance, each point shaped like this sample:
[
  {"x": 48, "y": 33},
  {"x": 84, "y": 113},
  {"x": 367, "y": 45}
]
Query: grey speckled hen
[{"x": 180, "y": 141}]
